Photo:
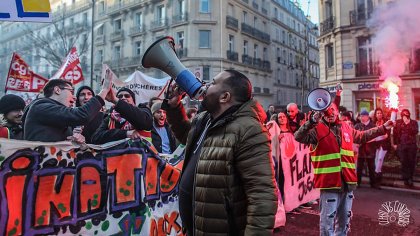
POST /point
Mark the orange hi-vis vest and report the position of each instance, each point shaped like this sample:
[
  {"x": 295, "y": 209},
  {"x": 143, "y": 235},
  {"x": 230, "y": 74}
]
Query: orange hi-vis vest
[
  {"x": 4, "y": 132},
  {"x": 333, "y": 164}
]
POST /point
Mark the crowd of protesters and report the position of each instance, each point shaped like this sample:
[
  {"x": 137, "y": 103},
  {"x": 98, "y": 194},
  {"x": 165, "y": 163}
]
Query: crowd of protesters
[{"x": 226, "y": 148}]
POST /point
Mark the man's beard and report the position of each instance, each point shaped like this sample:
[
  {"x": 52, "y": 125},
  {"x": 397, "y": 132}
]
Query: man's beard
[{"x": 210, "y": 104}]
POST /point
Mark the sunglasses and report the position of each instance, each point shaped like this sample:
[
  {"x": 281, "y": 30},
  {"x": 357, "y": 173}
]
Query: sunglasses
[{"x": 124, "y": 95}]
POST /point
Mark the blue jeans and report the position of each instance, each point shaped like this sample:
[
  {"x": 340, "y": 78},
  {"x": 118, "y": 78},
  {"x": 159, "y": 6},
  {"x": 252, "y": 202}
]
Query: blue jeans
[{"x": 335, "y": 210}]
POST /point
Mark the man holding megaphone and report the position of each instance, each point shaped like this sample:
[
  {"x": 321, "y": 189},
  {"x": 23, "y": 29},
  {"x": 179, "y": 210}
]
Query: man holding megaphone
[{"x": 333, "y": 160}]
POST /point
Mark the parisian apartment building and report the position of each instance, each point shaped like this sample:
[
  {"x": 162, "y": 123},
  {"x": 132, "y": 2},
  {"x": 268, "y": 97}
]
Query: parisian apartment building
[
  {"x": 272, "y": 42},
  {"x": 348, "y": 57}
]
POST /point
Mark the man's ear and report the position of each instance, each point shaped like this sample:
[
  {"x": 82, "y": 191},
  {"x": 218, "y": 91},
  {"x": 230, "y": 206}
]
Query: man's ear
[
  {"x": 225, "y": 97},
  {"x": 57, "y": 90}
]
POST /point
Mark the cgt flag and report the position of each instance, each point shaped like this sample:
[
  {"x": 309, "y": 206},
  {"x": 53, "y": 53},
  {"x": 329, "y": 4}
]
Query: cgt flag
[
  {"x": 21, "y": 78},
  {"x": 71, "y": 69}
]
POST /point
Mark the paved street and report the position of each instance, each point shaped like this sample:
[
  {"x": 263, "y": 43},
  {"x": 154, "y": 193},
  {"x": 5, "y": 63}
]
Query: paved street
[{"x": 365, "y": 220}]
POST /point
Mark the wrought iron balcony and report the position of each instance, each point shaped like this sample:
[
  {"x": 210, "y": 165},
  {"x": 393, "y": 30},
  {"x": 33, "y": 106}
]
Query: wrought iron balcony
[
  {"x": 100, "y": 39},
  {"x": 180, "y": 18},
  {"x": 257, "y": 62},
  {"x": 255, "y": 5},
  {"x": 367, "y": 69},
  {"x": 159, "y": 23},
  {"x": 138, "y": 29},
  {"x": 359, "y": 17},
  {"x": 266, "y": 65},
  {"x": 231, "y": 55},
  {"x": 181, "y": 52},
  {"x": 251, "y": 31},
  {"x": 247, "y": 59},
  {"x": 231, "y": 22},
  {"x": 117, "y": 35},
  {"x": 327, "y": 25}
]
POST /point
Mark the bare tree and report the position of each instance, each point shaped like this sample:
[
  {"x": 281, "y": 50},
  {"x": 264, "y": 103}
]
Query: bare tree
[{"x": 54, "y": 45}]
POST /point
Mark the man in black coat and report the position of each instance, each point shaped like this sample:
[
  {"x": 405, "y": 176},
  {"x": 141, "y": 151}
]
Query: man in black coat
[
  {"x": 125, "y": 120},
  {"x": 50, "y": 119},
  {"x": 295, "y": 117}
]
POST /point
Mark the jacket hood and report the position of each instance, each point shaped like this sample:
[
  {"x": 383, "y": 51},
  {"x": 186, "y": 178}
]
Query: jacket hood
[{"x": 80, "y": 90}]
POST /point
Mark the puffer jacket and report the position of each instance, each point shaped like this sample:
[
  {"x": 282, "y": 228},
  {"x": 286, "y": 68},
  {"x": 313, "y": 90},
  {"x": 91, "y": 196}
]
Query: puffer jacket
[{"x": 234, "y": 189}]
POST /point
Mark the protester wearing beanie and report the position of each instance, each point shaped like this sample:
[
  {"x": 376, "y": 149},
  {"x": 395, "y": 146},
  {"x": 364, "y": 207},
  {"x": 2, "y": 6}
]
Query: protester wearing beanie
[
  {"x": 11, "y": 107},
  {"x": 83, "y": 95},
  {"x": 162, "y": 137},
  {"x": 125, "y": 120}
]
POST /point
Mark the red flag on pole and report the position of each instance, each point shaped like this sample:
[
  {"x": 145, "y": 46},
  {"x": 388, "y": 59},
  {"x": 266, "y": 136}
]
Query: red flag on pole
[
  {"x": 22, "y": 78},
  {"x": 71, "y": 69}
]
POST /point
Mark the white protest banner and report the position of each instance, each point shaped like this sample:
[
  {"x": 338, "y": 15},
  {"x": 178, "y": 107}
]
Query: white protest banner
[
  {"x": 298, "y": 173},
  {"x": 25, "y": 10},
  {"x": 274, "y": 131},
  {"x": 71, "y": 69},
  {"x": 143, "y": 86}
]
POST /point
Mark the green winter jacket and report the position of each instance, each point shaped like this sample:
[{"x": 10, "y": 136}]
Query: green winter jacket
[{"x": 234, "y": 180}]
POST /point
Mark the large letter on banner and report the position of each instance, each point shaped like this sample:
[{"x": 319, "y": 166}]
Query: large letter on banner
[
  {"x": 298, "y": 173},
  {"x": 25, "y": 10},
  {"x": 59, "y": 189}
]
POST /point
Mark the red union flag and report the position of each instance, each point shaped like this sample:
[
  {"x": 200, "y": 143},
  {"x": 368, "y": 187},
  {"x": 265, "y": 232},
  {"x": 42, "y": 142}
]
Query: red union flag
[
  {"x": 71, "y": 69},
  {"x": 21, "y": 78}
]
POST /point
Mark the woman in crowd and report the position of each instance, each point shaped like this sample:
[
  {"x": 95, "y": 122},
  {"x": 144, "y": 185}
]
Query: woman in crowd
[{"x": 382, "y": 144}]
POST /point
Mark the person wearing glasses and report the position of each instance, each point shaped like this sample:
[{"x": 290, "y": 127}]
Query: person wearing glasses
[
  {"x": 125, "y": 120},
  {"x": 51, "y": 118}
]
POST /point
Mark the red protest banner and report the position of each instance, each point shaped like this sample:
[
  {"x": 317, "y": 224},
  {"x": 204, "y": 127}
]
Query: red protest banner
[
  {"x": 22, "y": 78},
  {"x": 71, "y": 69}
]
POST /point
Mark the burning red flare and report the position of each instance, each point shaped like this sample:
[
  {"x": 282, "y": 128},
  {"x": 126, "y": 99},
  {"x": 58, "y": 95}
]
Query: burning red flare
[{"x": 392, "y": 84}]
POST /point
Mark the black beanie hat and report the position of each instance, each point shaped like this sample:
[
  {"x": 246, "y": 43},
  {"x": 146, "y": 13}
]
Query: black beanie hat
[
  {"x": 11, "y": 102},
  {"x": 80, "y": 90},
  {"x": 128, "y": 91}
]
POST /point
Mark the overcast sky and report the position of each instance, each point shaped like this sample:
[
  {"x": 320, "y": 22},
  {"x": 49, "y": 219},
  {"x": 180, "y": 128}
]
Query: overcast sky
[{"x": 313, "y": 9}]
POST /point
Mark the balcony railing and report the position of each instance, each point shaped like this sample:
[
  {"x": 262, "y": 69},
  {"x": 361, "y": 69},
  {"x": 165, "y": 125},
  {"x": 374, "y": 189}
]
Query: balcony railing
[
  {"x": 266, "y": 65},
  {"x": 138, "y": 29},
  {"x": 359, "y": 17},
  {"x": 247, "y": 59},
  {"x": 117, "y": 35},
  {"x": 232, "y": 22},
  {"x": 251, "y": 31},
  {"x": 327, "y": 25},
  {"x": 100, "y": 39},
  {"x": 180, "y": 18},
  {"x": 231, "y": 55},
  {"x": 264, "y": 11},
  {"x": 367, "y": 69},
  {"x": 181, "y": 52},
  {"x": 255, "y": 5},
  {"x": 159, "y": 23}
]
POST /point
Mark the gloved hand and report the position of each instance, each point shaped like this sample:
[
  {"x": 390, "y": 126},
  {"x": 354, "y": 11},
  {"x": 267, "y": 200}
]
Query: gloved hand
[{"x": 315, "y": 116}]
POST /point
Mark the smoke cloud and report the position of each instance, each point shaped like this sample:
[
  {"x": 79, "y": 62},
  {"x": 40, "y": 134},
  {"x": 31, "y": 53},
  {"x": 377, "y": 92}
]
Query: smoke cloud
[{"x": 397, "y": 33}]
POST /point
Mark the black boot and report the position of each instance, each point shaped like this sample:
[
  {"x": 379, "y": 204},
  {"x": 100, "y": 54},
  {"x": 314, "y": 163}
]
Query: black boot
[{"x": 379, "y": 178}]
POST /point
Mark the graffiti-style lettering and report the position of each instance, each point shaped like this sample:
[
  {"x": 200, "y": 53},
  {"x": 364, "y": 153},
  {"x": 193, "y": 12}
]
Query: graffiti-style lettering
[{"x": 165, "y": 225}]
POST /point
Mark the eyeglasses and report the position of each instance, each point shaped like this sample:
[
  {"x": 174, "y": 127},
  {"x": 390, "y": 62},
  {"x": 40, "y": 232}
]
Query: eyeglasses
[
  {"x": 69, "y": 89},
  {"x": 126, "y": 95}
]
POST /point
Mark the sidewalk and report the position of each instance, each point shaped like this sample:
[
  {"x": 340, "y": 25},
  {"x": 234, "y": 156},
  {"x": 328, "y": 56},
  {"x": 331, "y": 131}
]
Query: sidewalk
[{"x": 393, "y": 183}]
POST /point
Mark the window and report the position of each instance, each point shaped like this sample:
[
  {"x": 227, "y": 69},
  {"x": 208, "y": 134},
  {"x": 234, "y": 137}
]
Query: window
[
  {"x": 161, "y": 14},
  {"x": 330, "y": 55},
  {"x": 416, "y": 60},
  {"x": 181, "y": 7},
  {"x": 71, "y": 21},
  {"x": 99, "y": 56},
  {"x": 255, "y": 22},
  {"x": 180, "y": 39},
  {"x": 101, "y": 7},
  {"x": 245, "y": 52},
  {"x": 117, "y": 25},
  {"x": 205, "y": 6},
  {"x": 204, "y": 36},
  {"x": 117, "y": 52},
  {"x": 366, "y": 64},
  {"x": 206, "y": 73},
  {"x": 84, "y": 17},
  {"x": 101, "y": 30},
  {"x": 265, "y": 54},
  {"x": 230, "y": 10},
  {"x": 137, "y": 49},
  {"x": 138, "y": 19},
  {"x": 255, "y": 50},
  {"x": 231, "y": 43},
  {"x": 364, "y": 9},
  {"x": 244, "y": 17}
]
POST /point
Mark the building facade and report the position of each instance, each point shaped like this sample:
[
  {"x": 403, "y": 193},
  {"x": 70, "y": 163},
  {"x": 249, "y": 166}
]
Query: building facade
[
  {"x": 44, "y": 45},
  {"x": 270, "y": 41},
  {"x": 347, "y": 56}
]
